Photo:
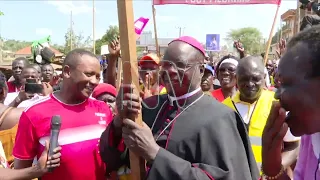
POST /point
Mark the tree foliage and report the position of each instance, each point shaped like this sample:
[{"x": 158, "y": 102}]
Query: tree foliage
[
  {"x": 111, "y": 34},
  {"x": 77, "y": 41},
  {"x": 250, "y": 37},
  {"x": 15, "y": 45}
]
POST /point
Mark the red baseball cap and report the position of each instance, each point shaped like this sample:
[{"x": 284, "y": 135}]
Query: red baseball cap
[
  {"x": 149, "y": 57},
  {"x": 104, "y": 88}
]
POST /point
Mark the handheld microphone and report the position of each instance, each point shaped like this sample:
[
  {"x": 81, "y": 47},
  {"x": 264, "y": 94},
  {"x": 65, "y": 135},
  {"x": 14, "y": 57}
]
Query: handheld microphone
[{"x": 54, "y": 134}]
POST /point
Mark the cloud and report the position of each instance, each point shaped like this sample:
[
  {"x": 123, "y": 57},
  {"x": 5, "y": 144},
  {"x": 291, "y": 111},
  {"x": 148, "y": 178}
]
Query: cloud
[
  {"x": 160, "y": 18},
  {"x": 79, "y": 7},
  {"x": 43, "y": 31}
]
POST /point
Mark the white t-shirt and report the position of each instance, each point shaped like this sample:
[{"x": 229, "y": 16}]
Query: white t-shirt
[
  {"x": 10, "y": 97},
  {"x": 245, "y": 112},
  {"x": 31, "y": 101},
  {"x": 267, "y": 78}
]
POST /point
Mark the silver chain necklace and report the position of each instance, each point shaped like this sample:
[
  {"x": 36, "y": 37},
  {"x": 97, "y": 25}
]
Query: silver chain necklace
[{"x": 174, "y": 118}]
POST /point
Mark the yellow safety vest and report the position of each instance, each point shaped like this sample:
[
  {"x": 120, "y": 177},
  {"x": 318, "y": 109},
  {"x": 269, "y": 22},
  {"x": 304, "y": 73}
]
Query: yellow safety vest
[
  {"x": 272, "y": 81},
  {"x": 258, "y": 119}
]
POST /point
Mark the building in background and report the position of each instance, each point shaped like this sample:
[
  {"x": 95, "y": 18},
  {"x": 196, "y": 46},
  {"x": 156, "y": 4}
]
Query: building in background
[
  {"x": 148, "y": 42},
  {"x": 288, "y": 18},
  {"x": 26, "y": 52}
]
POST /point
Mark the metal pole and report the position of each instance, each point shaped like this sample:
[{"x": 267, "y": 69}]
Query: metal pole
[
  {"x": 93, "y": 27},
  {"x": 71, "y": 33}
]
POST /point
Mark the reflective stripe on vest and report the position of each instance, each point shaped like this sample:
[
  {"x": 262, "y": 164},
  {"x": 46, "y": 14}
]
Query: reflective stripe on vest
[{"x": 255, "y": 140}]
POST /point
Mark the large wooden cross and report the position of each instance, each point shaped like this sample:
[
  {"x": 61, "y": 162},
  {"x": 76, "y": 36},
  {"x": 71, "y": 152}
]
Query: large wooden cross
[{"x": 130, "y": 70}]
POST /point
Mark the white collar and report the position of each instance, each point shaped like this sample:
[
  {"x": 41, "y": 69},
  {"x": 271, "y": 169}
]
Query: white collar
[{"x": 172, "y": 99}]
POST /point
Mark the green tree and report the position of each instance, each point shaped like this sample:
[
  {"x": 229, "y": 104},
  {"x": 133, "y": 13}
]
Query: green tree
[
  {"x": 58, "y": 47},
  {"x": 111, "y": 34},
  {"x": 15, "y": 45},
  {"x": 250, "y": 37},
  {"x": 1, "y": 13},
  {"x": 77, "y": 40}
]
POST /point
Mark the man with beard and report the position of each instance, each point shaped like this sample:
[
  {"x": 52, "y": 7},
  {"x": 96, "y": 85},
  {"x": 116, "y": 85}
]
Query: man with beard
[
  {"x": 253, "y": 103},
  {"x": 47, "y": 73},
  {"x": 299, "y": 94},
  {"x": 83, "y": 121},
  {"x": 186, "y": 135},
  {"x": 17, "y": 66}
]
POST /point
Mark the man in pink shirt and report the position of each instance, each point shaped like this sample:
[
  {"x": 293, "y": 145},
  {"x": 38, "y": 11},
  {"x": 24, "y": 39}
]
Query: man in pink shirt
[
  {"x": 83, "y": 121},
  {"x": 299, "y": 94}
]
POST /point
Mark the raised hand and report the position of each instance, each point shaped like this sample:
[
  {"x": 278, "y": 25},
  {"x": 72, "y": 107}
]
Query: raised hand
[
  {"x": 238, "y": 45},
  {"x": 272, "y": 139},
  {"x": 114, "y": 47}
]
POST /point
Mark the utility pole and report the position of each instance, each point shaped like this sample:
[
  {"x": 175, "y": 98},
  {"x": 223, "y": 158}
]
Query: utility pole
[
  {"x": 180, "y": 30},
  {"x": 71, "y": 32},
  {"x": 93, "y": 28}
]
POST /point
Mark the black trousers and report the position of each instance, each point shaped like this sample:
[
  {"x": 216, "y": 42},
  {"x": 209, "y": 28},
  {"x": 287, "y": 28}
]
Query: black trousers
[{"x": 309, "y": 21}]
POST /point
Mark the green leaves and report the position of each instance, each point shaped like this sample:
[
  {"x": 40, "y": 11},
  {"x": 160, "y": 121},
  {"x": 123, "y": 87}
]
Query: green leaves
[
  {"x": 1, "y": 13},
  {"x": 250, "y": 37},
  {"x": 109, "y": 36},
  {"x": 77, "y": 40}
]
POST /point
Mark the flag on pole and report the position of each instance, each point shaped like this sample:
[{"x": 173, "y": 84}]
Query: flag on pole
[{"x": 140, "y": 24}]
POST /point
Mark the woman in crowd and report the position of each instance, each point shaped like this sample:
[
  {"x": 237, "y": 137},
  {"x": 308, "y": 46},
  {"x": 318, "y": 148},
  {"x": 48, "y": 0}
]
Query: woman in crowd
[
  {"x": 207, "y": 80},
  {"x": 106, "y": 93},
  {"x": 226, "y": 74}
]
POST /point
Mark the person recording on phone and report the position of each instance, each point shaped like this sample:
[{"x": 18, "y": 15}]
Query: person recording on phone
[
  {"x": 32, "y": 89},
  {"x": 44, "y": 164}
]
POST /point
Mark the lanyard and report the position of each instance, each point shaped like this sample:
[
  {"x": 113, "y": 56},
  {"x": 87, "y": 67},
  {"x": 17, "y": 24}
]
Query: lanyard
[{"x": 174, "y": 119}]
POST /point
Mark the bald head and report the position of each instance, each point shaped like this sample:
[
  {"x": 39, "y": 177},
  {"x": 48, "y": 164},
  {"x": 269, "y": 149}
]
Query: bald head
[
  {"x": 250, "y": 63},
  {"x": 21, "y": 60},
  {"x": 182, "y": 51}
]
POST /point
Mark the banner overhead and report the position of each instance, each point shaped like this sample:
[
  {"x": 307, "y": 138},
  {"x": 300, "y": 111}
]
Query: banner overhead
[{"x": 216, "y": 2}]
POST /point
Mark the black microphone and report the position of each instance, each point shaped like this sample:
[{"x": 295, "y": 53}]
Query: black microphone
[{"x": 54, "y": 134}]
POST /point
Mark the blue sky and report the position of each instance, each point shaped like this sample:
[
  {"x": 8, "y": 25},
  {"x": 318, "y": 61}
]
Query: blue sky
[{"x": 30, "y": 20}]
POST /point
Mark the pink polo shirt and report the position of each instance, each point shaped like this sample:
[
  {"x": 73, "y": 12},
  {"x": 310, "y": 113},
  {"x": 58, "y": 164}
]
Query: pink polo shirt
[{"x": 81, "y": 127}]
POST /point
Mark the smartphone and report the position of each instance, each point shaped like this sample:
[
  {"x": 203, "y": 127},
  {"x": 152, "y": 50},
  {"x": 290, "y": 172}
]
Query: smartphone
[{"x": 32, "y": 86}]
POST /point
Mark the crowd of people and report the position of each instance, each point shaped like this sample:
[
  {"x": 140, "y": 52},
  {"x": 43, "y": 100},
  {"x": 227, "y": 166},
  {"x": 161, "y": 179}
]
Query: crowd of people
[{"x": 260, "y": 123}]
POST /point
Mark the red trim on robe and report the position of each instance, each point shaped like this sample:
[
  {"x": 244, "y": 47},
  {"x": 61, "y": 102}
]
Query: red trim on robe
[
  {"x": 218, "y": 94},
  {"x": 121, "y": 146}
]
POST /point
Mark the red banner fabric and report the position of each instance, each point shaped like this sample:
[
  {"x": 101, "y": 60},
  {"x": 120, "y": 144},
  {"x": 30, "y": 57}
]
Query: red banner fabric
[{"x": 216, "y": 2}]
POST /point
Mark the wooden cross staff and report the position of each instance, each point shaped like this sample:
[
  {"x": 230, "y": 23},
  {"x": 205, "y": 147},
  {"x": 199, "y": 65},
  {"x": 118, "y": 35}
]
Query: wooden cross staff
[{"x": 130, "y": 71}]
